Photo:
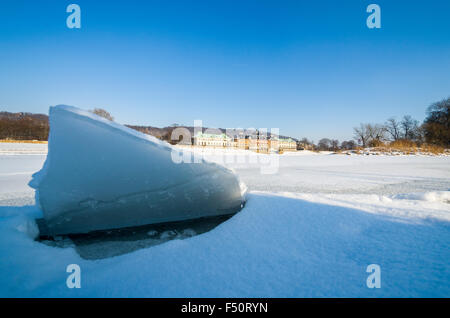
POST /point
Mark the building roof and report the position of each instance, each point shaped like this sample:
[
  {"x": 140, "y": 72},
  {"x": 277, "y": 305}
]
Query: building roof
[{"x": 214, "y": 136}]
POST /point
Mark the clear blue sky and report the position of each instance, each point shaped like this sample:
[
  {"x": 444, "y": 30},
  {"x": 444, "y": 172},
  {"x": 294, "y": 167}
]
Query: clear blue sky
[{"x": 310, "y": 68}]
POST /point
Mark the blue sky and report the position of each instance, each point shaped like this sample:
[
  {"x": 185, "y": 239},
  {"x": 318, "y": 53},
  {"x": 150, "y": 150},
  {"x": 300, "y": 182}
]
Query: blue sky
[{"x": 311, "y": 68}]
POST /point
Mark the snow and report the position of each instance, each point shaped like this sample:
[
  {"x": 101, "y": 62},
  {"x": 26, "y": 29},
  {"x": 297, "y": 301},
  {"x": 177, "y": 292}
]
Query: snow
[
  {"x": 15, "y": 173},
  {"x": 310, "y": 172},
  {"x": 308, "y": 230},
  {"x": 109, "y": 176},
  {"x": 8, "y": 148}
]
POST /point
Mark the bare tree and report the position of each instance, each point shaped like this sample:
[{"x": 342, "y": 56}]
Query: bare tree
[
  {"x": 376, "y": 134},
  {"x": 409, "y": 127},
  {"x": 361, "y": 135},
  {"x": 102, "y": 113},
  {"x": 324, "y": 144},
  {"x": 304, "y": 143},
  {"x": 334, "y": 144},
  {"x": 348, "y": 145},
  {"x": 392, "y": 127},
  {"x": 420, "y": 134},
  {"x": 368, "y": 135}
]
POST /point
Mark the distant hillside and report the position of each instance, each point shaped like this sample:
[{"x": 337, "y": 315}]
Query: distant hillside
[
  {"x": 23, "y": 126},
  {"x": 18, "y": 116},
  {"x": 28, "y": 126},
  {"x": 166, "y": 132}
]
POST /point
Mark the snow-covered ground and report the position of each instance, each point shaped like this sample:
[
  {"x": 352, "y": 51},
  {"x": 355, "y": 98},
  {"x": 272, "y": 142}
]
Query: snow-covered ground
[
  {"x": 16, "y": 148},
  {"x": 310, "y": 229}
]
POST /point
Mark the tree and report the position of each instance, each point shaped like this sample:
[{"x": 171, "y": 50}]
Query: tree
[
  {"x": 348, "y": 145},
  {"x": 324, "y": 144},
  {"x": 376, "y": 134},
  {"x": 436, "y": 126},
  {"x": 23, "y": 126},
  {"x": 369, "y": 135},
  {"x": 361, "y": 135},
  {"x": 102, "y": 113},
  {"x": 409, "y": 127},
  {"x": 305, "y": 141},
  {"x": 419, "y": 137},
  {"x": 392, "y": 127},
  {"x": 334, "y": 144}
]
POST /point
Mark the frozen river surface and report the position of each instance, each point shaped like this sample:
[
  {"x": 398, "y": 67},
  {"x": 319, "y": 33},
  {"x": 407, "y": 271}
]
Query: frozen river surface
[{"x": 310, "y": 228}]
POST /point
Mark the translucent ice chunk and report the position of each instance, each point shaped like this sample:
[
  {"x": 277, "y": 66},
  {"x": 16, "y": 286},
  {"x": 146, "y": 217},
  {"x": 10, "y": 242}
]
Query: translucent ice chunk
[{"x": 101, "y": 175}]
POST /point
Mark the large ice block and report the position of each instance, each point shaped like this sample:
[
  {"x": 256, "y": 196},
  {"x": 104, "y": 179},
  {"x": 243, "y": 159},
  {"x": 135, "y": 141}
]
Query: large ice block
[{"x": 101, "y": 175}]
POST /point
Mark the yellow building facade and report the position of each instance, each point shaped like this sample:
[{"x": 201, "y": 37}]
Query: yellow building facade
[{"x": 262, "y": 145}]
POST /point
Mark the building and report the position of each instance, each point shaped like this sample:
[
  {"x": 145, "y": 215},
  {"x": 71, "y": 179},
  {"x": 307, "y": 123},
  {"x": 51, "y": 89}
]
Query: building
[
  {"x": 214, "y": 140},
  {"x": 259, "y": 145},
  {"x": 254, "y": 143},
  {"x": 243, "y": 142},
  {"x": 287, "y": 144}
]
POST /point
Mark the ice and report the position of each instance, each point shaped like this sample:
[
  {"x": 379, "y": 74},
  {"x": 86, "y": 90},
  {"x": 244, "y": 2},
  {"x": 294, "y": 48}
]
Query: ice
[
  {"x": 168, "y": 234},
  {"x": 101, "y": 175},
  {"x": 309, "y": 230},
  {"x": 278, "y": 246},
  {"x": 152, "y": 233},
  {"x": 436, "y": 196}
]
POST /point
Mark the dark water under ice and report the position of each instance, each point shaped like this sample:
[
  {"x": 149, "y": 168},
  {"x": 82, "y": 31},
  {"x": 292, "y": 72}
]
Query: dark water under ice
[{"x": 109, "y": 243}]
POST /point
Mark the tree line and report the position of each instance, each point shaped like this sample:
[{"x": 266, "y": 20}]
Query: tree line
[
  {"x": 435, "y": 130},
  {"x": 23, "y": 126}
]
